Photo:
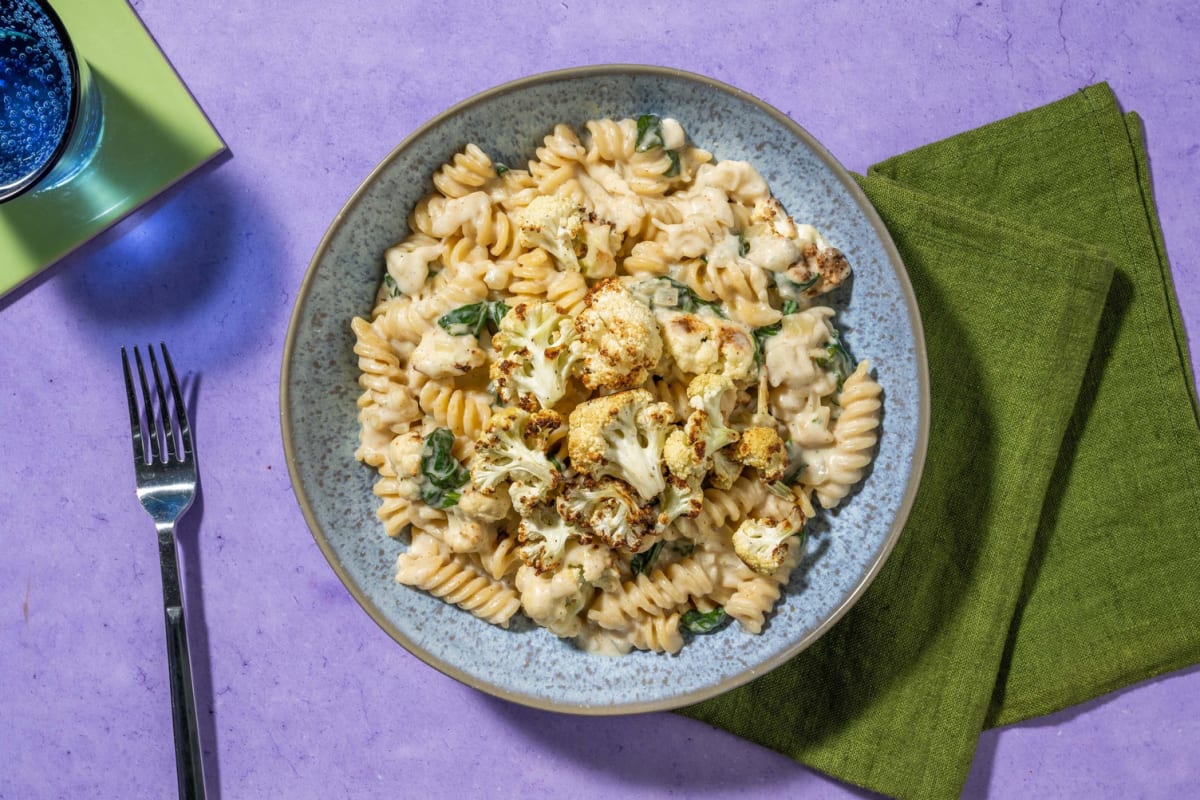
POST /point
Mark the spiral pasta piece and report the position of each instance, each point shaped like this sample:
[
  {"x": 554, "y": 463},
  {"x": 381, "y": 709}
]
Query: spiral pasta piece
[
  {"x": 398, "y": 511},
  {"x": 467, "y": 172},
  {"x": 756, "y": 596},
  {"x": 658, "y": 634},
  {"x": 502, "y": 560},
  {"x": 610, "y": 140},
  {"x": 854, "y": 436},
  {"x": 742, "y": 288},
  {"x": 408, "y": 319},
  {"x": 463, "y": 411},
  {"x": 453, "y": 578},
  {"x": 652, "y": 594}
]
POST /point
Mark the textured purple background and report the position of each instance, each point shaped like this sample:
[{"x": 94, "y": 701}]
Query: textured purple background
[{"x": 309, "y": 697}]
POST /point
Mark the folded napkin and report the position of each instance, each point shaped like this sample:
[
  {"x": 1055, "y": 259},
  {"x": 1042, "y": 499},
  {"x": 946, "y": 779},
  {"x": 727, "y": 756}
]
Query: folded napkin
[{"x": 1051, "y": 554}]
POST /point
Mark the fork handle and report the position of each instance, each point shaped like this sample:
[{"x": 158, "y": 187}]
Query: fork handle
[{"x": 183, "y": 708}]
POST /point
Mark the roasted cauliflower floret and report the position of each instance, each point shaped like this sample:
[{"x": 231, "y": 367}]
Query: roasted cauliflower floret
[
  {"x": 535, "y": 352},
  {"x": 680, "y": 498},
  {"x": 691, "y": 452},
  {"x": 724, "y": 470},
  {"x": 762, "y": 544},
  {"x": 544, "y": 536},
  {"x": 820, "y": 268},
  {"x": 762, "y": 448},
  {"x": 619, "y": 338},
  {"x": 621, "y": 436},
  {"x": 608, "y": 509},
  {"x": 512, "y": 449},
  {"x": 681, "y": 458},
  {"x": 705, "y": 343},
  {"x": 555, "y": 224}
]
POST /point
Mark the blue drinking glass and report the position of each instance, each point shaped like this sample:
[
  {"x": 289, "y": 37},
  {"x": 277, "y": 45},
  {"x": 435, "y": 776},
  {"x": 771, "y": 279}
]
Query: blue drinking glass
[{"x": 50, "y": 108}]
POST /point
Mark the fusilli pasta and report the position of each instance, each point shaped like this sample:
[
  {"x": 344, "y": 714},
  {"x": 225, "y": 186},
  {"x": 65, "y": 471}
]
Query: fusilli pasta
[{"x": 598, "y": 388}]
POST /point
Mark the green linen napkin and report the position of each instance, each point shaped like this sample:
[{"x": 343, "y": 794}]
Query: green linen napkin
[{"x": 1051, "y": 554}]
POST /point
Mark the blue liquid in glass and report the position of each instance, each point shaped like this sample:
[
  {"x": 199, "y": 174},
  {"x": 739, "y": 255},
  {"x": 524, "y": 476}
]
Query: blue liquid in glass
[{"x": 35, "y": 91}]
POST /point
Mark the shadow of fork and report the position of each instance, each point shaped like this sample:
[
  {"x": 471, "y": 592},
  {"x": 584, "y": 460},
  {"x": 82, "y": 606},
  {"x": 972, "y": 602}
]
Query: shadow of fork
[{"x": 188, "y": 537}]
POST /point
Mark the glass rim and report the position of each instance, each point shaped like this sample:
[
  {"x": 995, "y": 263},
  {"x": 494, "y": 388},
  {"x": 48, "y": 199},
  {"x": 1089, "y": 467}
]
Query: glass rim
[{"x": 32, "y": 179}]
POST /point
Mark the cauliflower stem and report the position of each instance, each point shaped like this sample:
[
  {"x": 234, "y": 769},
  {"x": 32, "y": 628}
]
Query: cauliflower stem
[{"x": 622, "y": 435}]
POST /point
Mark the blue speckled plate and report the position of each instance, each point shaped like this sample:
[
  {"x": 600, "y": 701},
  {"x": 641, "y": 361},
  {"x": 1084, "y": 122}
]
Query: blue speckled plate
[{"x": 319, "y": 388}]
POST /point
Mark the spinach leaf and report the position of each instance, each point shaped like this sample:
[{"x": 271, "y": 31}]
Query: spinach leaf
[
  {"x": 791, "y": 287},
  {"x": 500, "y": 168},
  {"x": 790, "y": 307},
  {"x": 685, "y": 547},
  {"x": 672, "y": 171},
  {"x": 473, "y": 318},
  {"x": 794, "y": 470},
  {"x": 836, "y": 359},
  {"x": 390, "y": 283},
  {"x": 642, "y": 562},
  {"x": 649, "y": 133},
  {"x": 689, "y": 301},
  {"x": 441, "y": 474},
  {"x": 743, "y": 245},
  {"x": 760, "y": 339},
  {"x": 699, "y": 622}
]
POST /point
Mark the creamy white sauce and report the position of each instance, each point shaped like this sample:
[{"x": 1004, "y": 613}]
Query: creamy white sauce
[
  {"x": 611, "y": 198},
  {"x": 469, "y": 211},
  {"x": 409, "y": 267},
  {"x": 441, "y": 355}
]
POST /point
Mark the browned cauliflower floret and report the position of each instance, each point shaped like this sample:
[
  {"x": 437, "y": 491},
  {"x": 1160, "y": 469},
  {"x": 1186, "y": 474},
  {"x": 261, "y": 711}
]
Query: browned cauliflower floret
[
  {"x": 820, "y": 269},
  {"x": 555, "y": 224},
  {"x": 608, "y": 509},
  {"x": 512, "y": 449},
  {"x": 762, "y": 448},
  {"x": 536, "y": 350},
  {"x": 544, "y": 537},
  {"x": 705, "y": 343},
  {"x": 619, "y": 338},
  {"x": 681, "y": 498},
  {"x": 556, "y": 600},
  {"x": 762, "y": 544},
  {"x": 693, "y": 451},
  {"x": 681, "y": 456},
  {"x": 621, "y": 436}
]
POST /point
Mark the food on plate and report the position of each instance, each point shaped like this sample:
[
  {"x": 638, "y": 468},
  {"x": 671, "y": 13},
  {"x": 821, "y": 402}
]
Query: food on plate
[{"x": 603, "y": 390}]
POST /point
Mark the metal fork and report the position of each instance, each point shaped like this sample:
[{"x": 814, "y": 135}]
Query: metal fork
[{"x": 166, "y": 485}]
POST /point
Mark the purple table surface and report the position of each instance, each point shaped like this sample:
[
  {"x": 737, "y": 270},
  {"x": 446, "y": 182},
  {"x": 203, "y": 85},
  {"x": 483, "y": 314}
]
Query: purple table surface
[{"x": 302, "y": 695}]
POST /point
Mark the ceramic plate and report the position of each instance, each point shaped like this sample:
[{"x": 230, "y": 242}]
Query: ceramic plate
[{"x": 320, "y": 371}]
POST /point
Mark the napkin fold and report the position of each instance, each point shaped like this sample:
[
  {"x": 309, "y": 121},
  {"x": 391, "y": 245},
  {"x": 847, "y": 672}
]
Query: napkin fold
[{"x": 1051, "y": 553}]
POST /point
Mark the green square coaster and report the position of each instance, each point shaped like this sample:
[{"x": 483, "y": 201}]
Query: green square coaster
[{"x": 154, "y": 134}]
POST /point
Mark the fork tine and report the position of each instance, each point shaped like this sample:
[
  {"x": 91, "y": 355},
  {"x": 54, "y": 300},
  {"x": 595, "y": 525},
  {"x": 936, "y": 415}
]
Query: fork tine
[
  {"x": 164, "y": 410},
  {"x": 151, "y": 432},
  {"x": 185, "y": 430},
  {"x": 135, "y": 418}
]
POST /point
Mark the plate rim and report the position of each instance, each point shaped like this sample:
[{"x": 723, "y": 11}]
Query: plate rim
[{"x": 920, "y": 444}]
